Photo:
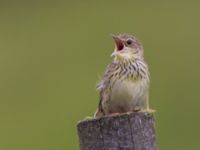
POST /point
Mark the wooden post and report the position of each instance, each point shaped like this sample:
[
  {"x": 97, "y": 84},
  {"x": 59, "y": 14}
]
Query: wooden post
[{"x": 133, "y": 131}]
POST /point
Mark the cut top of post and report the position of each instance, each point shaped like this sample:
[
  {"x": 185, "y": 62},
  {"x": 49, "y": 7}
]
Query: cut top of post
[{"x": 130, "y": 131}]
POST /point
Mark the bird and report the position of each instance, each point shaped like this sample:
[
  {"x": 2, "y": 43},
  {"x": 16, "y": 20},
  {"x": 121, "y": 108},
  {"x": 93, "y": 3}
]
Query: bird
[{"x": 125, "y": 83}]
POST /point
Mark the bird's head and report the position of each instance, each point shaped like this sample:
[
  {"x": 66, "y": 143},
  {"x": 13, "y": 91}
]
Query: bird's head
[{"x": 127, "y": 47}]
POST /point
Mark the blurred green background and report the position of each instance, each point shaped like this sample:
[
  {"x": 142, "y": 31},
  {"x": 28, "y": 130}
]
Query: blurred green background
[{"x": 52, "y": 54}]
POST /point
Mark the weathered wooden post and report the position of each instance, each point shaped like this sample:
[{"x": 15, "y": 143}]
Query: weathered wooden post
[{"x": 133, "y": 131}]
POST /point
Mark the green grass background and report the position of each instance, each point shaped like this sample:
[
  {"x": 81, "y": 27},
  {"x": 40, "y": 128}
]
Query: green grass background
[{"x": 52, "y": 54}]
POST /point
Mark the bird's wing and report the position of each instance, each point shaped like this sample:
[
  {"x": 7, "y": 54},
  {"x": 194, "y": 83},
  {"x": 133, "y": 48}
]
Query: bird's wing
[
  {"x": 104, "y": 87},
  {"x": 104, "y": 83}
]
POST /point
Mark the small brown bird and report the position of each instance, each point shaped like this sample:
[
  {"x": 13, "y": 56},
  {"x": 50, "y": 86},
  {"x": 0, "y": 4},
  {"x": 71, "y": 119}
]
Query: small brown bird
[{"x": 125, "y": 84}]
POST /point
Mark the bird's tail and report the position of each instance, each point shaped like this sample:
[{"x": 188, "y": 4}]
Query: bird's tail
[{"x": 99, "y": 112}]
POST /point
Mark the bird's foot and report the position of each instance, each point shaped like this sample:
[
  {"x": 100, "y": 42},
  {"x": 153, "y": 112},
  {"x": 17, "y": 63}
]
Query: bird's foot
[
  {"x": 148, "y": 110},
  {"x": 113, "y": 114},
  {"x": 88, "y": 118},
  {"x": 137, "y": 109}
]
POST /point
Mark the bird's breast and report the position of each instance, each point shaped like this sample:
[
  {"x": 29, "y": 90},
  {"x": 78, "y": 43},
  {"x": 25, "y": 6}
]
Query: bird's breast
[{"x": 129, "y": 91}]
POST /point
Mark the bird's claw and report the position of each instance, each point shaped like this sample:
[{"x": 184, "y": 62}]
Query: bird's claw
[{"x": 88, "y": 118}]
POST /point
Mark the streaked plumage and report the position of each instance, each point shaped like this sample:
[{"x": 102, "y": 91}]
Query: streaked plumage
[{"x": 125, "y": 84}]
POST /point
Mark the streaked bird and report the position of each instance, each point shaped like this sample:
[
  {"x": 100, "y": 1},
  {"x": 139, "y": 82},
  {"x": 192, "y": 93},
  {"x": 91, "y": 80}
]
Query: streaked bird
[{"x": 125, "y": 84}]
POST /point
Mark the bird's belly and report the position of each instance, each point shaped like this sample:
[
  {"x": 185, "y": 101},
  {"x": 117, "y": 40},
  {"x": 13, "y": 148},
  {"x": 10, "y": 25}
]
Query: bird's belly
[{"x": 127, "y": 95}]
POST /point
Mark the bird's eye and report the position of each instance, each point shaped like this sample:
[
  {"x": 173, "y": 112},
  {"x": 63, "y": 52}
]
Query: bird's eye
[{"x": 129, "y": 42}]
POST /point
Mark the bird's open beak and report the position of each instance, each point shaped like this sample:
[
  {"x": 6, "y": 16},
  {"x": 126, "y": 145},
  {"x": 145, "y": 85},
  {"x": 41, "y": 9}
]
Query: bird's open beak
[
  {"x": 119, "y": 45},
  {"x": 118, "y": 42}
]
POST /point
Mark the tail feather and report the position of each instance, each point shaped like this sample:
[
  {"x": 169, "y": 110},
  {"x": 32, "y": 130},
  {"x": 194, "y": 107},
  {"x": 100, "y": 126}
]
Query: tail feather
[{"x": 99, "y": 112}]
